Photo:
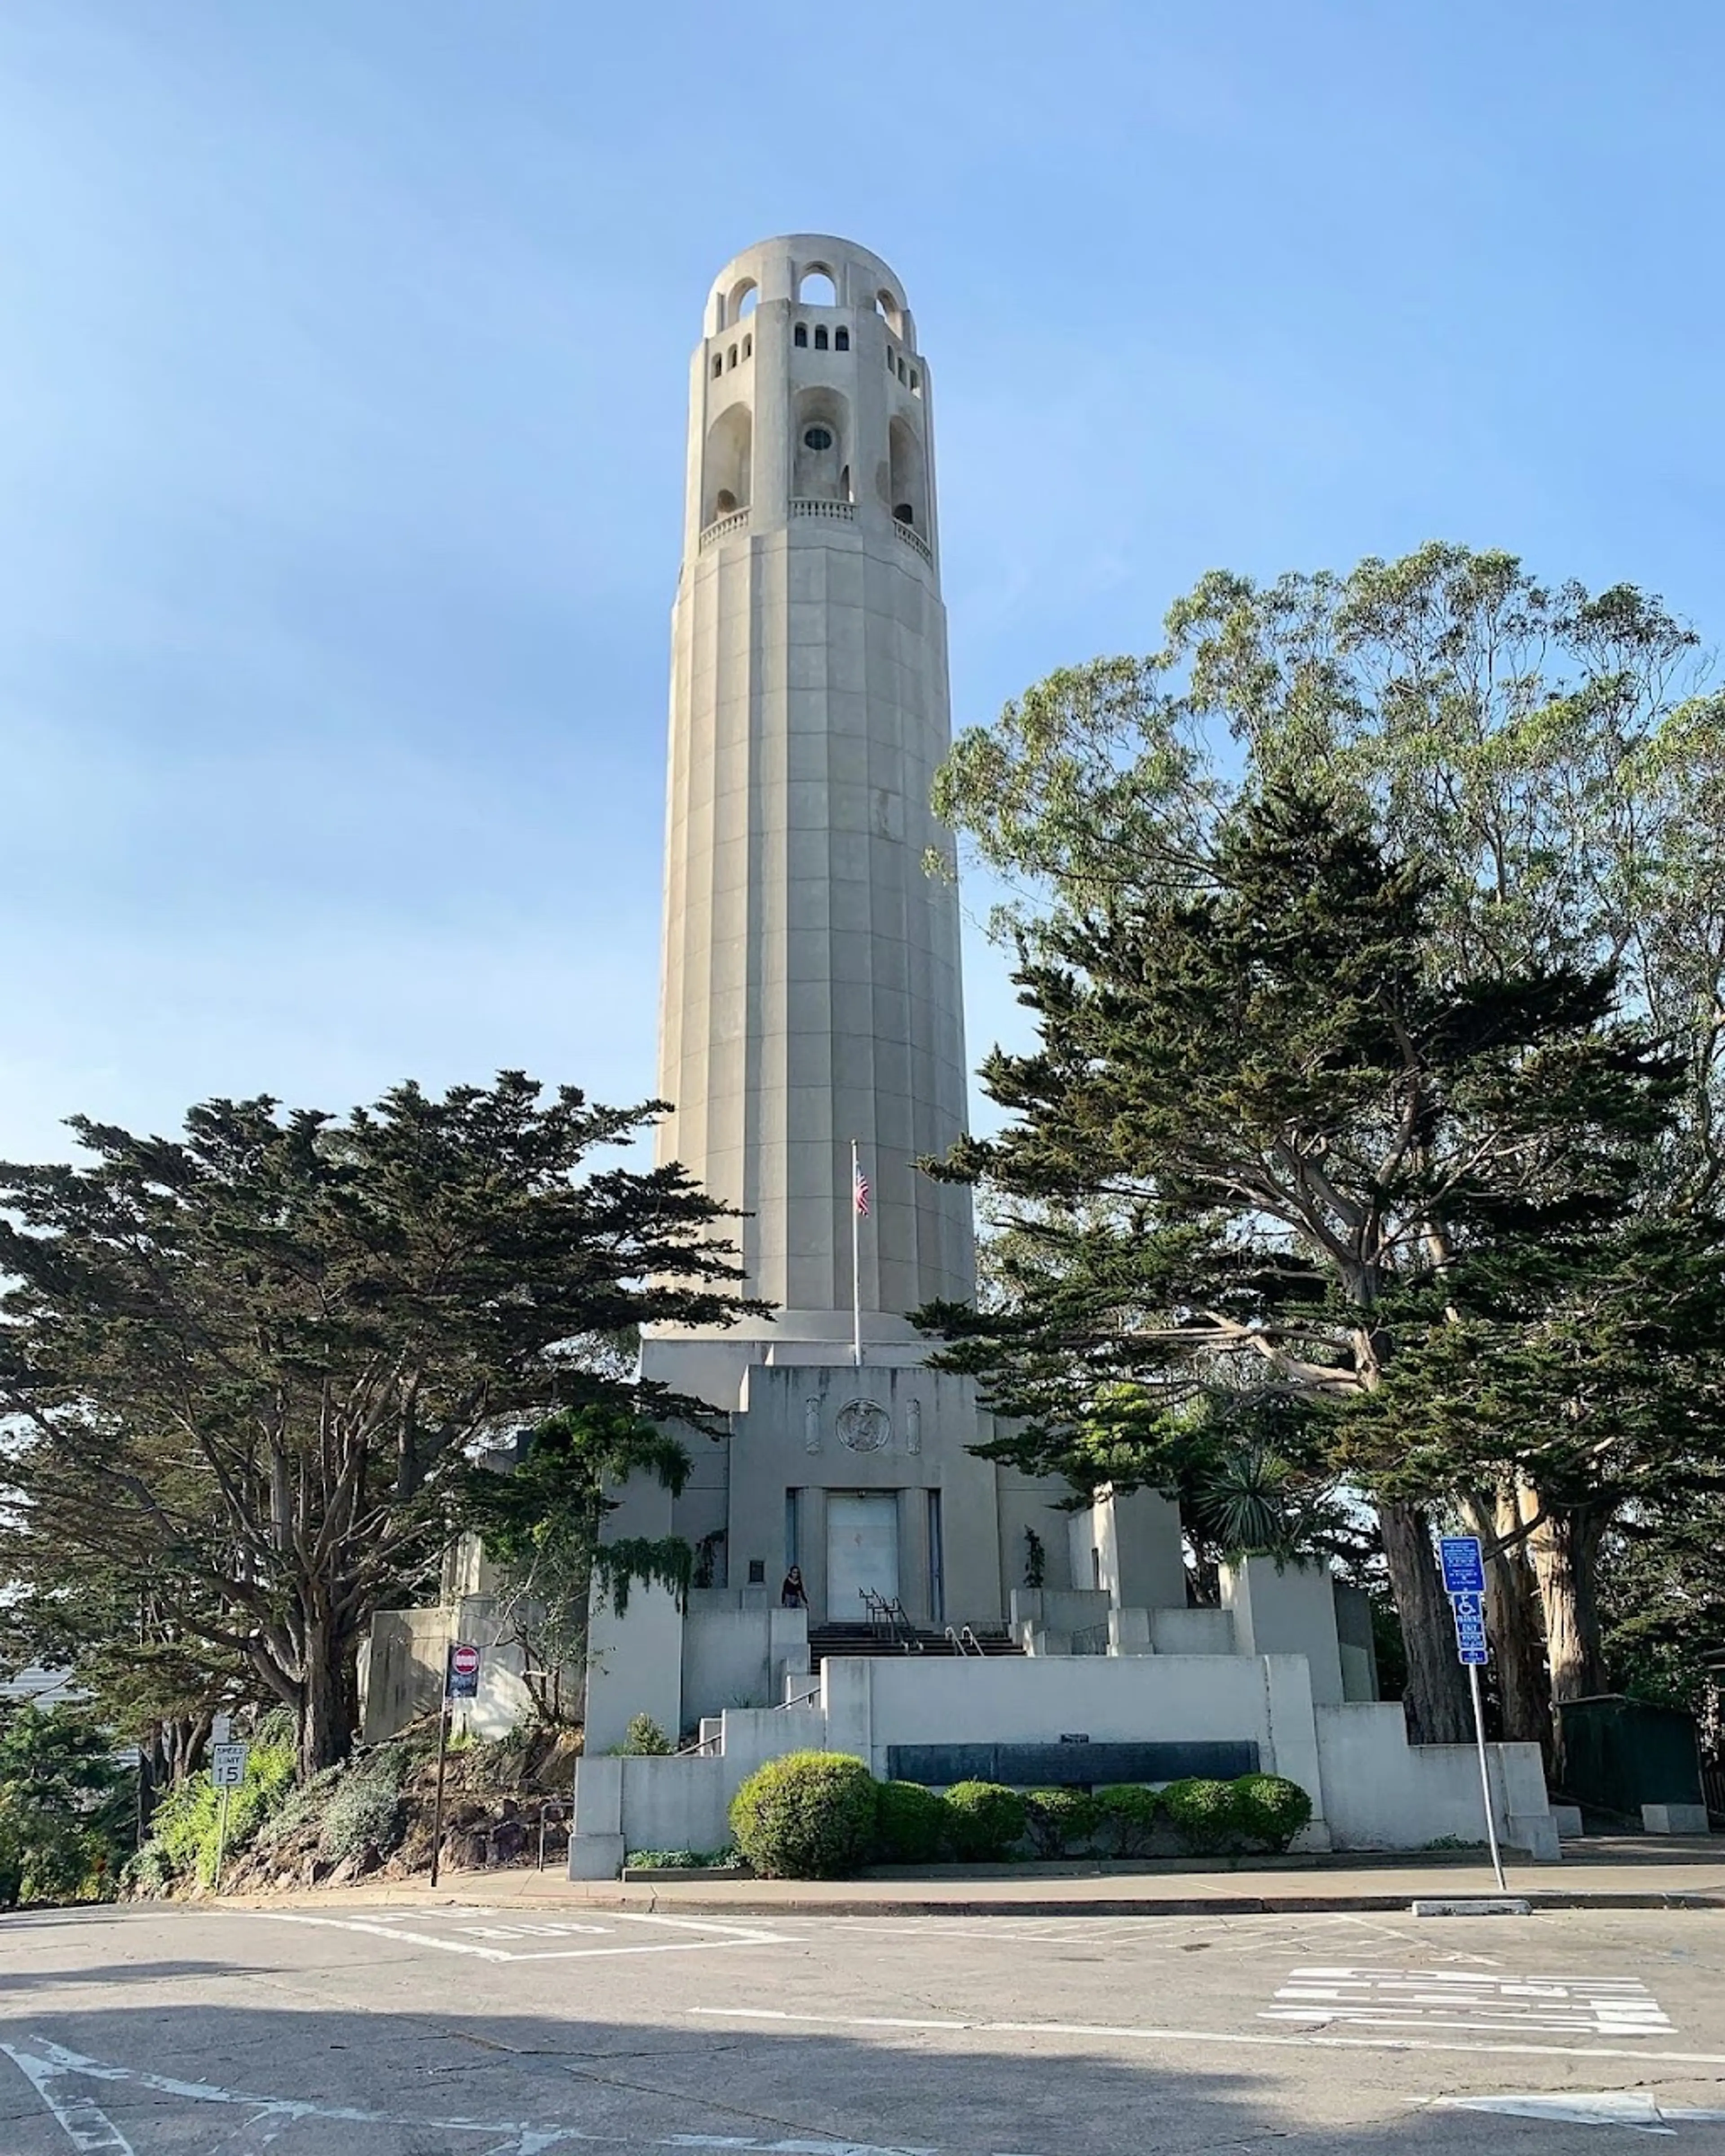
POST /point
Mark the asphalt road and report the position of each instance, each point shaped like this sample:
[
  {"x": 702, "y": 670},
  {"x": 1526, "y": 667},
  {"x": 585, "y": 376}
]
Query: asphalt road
[{"x": 390, "y": 2032}]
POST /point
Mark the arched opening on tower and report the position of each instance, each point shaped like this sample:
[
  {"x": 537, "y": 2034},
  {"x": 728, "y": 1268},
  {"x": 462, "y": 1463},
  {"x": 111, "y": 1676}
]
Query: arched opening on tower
[
  {"x": 894, "y": 314},
  {"x": 821, "y": 467},
  {"x": 815, "y": 288},
  {"x": 906, "y": 480},
  {"x": 745, "y": 294},
  {"x": 729, "y": 467}
]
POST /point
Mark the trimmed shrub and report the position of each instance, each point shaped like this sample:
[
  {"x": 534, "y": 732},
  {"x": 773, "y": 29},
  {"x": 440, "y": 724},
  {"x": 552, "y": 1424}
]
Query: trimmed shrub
[
  {"x": 644, "y": 1739},
  {"x": 1126, "y": 1817},
  {"x": 1205, "y": 1814},
  {"x": 809, "y": 1815},
  {"x": 912, "y": 1826},
  {"x": 1271, "y": 1808},
  {"x": 1058, "y": 1820},
  {"x": 985, "y": 1819}
]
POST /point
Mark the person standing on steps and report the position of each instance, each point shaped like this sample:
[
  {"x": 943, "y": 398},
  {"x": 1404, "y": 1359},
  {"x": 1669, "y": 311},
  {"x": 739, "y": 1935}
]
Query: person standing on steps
[{"x": 793, "y": 1596}]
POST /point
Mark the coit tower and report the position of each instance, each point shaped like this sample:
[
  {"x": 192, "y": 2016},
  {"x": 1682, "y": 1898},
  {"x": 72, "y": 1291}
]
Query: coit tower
[{"x": 811, "y": 992}]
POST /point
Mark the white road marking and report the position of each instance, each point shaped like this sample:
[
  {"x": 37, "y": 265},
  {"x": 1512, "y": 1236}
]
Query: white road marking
[
  {"x": 55, "y": 2062},
  {"x": 733, "y": 1935},
  {"x": 1631, "y": 2108},
  {"x": 87, "y": 2126},
  {"x": 1468, "y": 1999},
  {"x": 1305, "y": 2042}
]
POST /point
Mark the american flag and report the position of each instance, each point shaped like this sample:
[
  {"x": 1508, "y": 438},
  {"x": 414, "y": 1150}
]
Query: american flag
[{"x": 860, "y": 1184}]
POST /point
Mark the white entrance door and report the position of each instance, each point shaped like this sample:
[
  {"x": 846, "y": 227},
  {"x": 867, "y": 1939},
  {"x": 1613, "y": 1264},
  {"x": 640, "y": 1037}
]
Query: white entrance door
[{"x": 862, "y": 1552}]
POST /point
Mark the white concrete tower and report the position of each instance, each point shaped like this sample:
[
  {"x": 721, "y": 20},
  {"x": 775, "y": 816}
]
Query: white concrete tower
[{"x": 811, "y": 989}]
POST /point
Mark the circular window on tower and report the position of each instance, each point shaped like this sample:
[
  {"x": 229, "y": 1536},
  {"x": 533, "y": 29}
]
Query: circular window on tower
[{"x": 817, "y": 438}]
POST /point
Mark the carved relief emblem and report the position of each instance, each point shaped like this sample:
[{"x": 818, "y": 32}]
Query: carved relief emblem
[{"x": 863, "y": 1426}]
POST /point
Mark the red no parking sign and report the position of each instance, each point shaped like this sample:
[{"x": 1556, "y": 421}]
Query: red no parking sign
[{"x": 462, "y": 1679}]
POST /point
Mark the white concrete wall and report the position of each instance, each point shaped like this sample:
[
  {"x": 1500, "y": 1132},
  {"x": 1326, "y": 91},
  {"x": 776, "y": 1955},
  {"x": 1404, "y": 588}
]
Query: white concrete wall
[
  {"x": 1192, "y": 1632},
  {"x": 736, "y": 1655},
  {"x": 402, "y": 1672},
  {"x": 1286, "y": 1610},
  {"x": 876, "y": 1703},
  {"x": 1138, "y": 1534},
  {"x": 634, "y": 1665},
  {"x": 1380, "y": 1792}
]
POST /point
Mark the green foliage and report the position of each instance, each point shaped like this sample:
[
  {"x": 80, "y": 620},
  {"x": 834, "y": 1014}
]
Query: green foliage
[
  {"x": 645, "y": 1739},
  {"x": 363, "y": 1814},
  {"x": 987, "y": 1820},
  {"x": 66, "y": 1808},
  {"x": 1348, "y": 917},
  {"x": 245, "y": 1368},
  {"x": 1270, "y": 1809},
  {"x": 809, "y": 1815},
  {"x": 1206, "y": 1814},
  {"x": 680, "y": 1859},
  {"x": 1059, "y": 1821},
  {"x": 187, "y": 1827},
  {"x": 912, "y": 1825},
  {"x": 667, "y": 1561},
  {"x": 1126, "y": 1817},
  {"x": 541, "y": 1525},
  {"x": 1035, "y": 1559}
]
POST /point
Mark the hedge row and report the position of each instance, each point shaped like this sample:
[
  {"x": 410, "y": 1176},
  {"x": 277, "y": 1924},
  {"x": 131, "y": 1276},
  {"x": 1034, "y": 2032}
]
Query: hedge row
[{"x": 821, "y": 1814}]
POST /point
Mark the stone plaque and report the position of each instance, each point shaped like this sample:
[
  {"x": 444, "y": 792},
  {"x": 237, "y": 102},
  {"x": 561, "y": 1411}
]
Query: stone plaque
[{"x": 863, "y": 1426}]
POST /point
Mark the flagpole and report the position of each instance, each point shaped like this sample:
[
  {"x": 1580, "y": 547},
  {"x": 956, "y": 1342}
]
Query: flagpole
[{"x": 855, "y": 1256}]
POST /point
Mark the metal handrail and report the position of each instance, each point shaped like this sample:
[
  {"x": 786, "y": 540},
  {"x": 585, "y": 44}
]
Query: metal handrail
[{"x": 975, "y": 1643}]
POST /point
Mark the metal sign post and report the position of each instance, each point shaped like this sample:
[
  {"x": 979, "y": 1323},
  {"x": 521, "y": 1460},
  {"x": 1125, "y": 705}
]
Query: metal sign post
[
  {"x": 227, "y": 1771},
  {"x": 1465, "y": 1583},
  {"x": 461, "y": 1669}
]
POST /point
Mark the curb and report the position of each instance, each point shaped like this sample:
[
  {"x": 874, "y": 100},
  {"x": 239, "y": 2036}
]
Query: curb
[{"x": 1181, "y": 1905}]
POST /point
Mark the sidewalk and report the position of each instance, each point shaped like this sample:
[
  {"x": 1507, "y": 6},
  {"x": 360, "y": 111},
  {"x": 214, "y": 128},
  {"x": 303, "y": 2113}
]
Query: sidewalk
[{"x": 1606, "y": 1874}]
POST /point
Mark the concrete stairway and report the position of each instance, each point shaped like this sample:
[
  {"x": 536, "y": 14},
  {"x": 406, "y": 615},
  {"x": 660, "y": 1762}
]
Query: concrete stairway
[{"x": 824, "y": 1639}]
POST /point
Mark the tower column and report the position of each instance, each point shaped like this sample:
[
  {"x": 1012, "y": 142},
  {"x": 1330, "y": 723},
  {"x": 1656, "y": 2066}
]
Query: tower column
[{"x": 812, "y": 984}]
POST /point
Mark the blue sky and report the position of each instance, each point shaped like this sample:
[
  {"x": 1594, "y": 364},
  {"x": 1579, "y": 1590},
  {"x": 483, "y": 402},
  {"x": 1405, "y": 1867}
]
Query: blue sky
[{"x": 343, "y": 351}]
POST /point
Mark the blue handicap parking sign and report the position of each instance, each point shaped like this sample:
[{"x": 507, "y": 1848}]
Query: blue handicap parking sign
[
  {"x": 1463, "y": 1568},
  {"x": 1468, "y": 1605},
  {"x": 1475, "y": 1657}
]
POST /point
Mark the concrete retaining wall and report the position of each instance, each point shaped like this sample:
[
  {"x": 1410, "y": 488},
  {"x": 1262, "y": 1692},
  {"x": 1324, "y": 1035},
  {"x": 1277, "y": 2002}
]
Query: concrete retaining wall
[{"x": 1380, "y": 1792}]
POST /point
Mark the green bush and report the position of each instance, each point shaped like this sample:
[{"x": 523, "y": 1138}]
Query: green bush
[
  {"x": 1271, "y": 1808},
  {"x": 187, "y": 1822},
  {"x": 1059, "y": 1820},
  {"x": 645, "y": 1739},
  {"x": 1205, "y": 1813},
  {"x": 809, "y": 1815},
  {"x": 985, "y": 1820},
  {"x": 1126, "y": 1817},
  {"x": 679, "y": 1859},
  {"x": 363, "y": 1812},
  {"x": 912, "y": 1825}
]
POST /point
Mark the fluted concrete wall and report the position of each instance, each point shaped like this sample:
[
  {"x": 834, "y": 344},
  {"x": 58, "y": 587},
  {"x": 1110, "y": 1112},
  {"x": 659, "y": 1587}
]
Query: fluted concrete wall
[{"x": 811, "y": 985}]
